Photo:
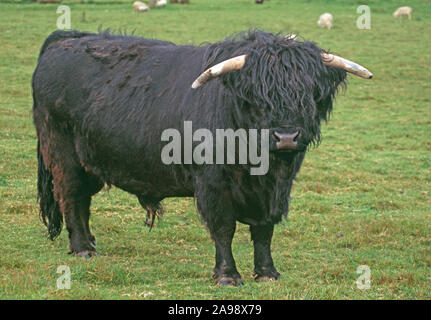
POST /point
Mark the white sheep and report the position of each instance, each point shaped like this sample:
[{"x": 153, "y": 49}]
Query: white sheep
[
  {"x": 403, "y": 12},
  {"x": 161, "y": 3},
  {"x": 325, "y": 21},
  {"x": 139, "y": 6}
]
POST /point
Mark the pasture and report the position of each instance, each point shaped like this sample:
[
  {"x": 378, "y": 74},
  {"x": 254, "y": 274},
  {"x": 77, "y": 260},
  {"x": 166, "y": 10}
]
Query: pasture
[{"x": 363, "y": 197}]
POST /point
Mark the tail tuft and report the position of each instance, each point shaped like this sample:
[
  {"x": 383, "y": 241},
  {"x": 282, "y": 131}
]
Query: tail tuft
[{"x": 49, "y": 211}]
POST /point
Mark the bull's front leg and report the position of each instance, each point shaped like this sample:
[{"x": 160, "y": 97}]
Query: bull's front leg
[
  {"x": 217, "y": 212},
  {"x": 225, "y": 272},
  {"x": 263, "y": 265}
]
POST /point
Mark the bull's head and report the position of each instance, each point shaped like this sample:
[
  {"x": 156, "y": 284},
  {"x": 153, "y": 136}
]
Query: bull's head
[{"x": 296, "y": 81}]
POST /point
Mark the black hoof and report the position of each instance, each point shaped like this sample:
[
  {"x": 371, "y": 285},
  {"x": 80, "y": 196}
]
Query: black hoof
[
  {"x": 227, "y": 280},
  {"x": 267, "y": 276}
]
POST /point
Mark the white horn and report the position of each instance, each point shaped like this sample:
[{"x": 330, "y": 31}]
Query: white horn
[
  {"x": 349, "y": 66},
  {"x": 235, "y": 63}
]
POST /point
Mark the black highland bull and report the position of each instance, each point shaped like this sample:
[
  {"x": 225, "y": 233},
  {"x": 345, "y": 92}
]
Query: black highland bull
[{"x": 102, "y": 101}]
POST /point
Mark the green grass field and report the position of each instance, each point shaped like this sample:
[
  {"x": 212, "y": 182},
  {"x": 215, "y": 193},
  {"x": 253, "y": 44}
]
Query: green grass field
[{"x": 362, "y": 198}]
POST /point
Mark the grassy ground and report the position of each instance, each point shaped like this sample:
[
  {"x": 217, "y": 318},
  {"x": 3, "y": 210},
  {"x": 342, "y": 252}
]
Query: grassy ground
[{"x": 362, "y": 198}]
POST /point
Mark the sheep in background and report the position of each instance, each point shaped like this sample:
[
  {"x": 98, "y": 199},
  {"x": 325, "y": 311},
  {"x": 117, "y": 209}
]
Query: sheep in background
[
  {"x": 325, "y": 21},
  {"x": 139, "y": 6},
  {"x": 403, "y": 12},
  {"x": 161, "y": 3}
]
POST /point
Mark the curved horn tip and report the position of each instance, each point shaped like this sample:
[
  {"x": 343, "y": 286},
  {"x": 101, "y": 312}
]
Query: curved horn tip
[
  {"x": 196, "y": 84},
  {"x": 350, "y": 66}
]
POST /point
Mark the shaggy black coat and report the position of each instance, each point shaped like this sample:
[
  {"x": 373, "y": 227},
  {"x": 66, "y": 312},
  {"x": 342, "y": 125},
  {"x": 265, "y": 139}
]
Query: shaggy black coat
[{"x": 102, "y": 101}]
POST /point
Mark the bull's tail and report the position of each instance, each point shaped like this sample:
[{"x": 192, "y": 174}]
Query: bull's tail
[{"x": 49, "y": 210}]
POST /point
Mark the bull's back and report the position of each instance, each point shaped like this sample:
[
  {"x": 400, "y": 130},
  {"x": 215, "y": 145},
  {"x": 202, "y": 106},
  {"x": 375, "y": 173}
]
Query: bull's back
[{"x": 115, "y": 94}]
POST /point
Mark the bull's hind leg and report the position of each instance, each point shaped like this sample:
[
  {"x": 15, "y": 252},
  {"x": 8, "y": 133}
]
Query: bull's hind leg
[
  {"x": 73, "y": 188},
  {"x": 263, "y": 265}
]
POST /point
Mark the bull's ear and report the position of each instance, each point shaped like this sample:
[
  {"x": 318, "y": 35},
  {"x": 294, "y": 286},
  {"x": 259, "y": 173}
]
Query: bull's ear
[{"x": 235, "y": 63}]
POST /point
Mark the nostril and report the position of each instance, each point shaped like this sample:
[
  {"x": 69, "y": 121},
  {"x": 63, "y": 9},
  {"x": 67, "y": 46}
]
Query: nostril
[
  {"x": 293, "y": 136},
  {"x": 277, "y": 135}
]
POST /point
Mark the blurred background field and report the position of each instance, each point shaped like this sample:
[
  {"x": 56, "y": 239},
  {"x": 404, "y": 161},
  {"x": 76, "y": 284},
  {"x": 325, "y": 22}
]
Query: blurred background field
[{"x": 362, "y": 198}]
